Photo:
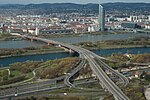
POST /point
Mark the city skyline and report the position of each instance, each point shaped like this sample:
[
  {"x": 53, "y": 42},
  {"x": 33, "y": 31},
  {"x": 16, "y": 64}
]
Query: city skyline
[
  {"x": 69, "y": 1},
  {"x": 74, "y": 49}
]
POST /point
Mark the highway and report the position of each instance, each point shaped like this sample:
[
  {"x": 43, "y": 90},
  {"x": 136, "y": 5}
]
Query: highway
[
  {"x": 105, "y": 80},
  {"x": 73, "y": 72},
  {"x": 96, "y": 65},
  {"x": 90, "y": 56},
  {"x": 122, "y": 77},
  {"x": 38, "y": 89},
  {"x": 30, "y": 86},
  {"x": 104, "y": 65}
]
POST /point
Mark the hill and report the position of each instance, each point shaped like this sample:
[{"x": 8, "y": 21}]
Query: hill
[{"x": 71, "y": 7}]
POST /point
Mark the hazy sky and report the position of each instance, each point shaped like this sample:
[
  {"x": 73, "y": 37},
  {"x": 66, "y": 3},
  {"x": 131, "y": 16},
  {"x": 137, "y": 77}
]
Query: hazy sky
[{"x": 64, "y": 1}]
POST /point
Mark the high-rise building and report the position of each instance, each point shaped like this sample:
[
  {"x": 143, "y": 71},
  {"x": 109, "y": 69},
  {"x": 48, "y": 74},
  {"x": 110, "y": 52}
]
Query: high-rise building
[
  {"x": 101, "y": 18},
  {"x": 36, "y": 31}
]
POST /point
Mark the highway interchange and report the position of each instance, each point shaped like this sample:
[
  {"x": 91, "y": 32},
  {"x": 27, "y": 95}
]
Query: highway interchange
[{"x": 95, "y": 62}]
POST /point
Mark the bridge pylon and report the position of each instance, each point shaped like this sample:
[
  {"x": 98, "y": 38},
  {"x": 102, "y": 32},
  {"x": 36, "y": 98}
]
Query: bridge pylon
[{"x": 70, "y": 51}]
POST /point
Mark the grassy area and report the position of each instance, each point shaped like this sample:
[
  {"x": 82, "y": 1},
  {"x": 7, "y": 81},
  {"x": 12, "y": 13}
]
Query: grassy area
[
  {"x": 68, "y": 94},
  {"x": 55, "y": 68},
  {"x": 61, "y": 35},
  {"x": 53, "y": 97},
  {"x": 4, "y": 74},
  {"x": 29, "y": 51},
  {"x": 7, "y": 36},
  {"x": 73, "y": 35},
  {"x": 23, "y": 71},
  {"x": 121, "y": 60},
  {"x": 95, "y": 85},
  {"x": 29, "y": 75},
  {"x": 15, "y": 73},
  {"x": 136, "y": 42},
  {"x": 70, "y": 90},
  {"x": 134, "y": 90}
]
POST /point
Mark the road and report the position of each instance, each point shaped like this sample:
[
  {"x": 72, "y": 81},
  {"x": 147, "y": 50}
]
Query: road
[
  {"x": 95, "y": 65},
  {"x": 43, "y": 88},
  {"x": 105, "y": 80},
  {"x": 90, "y": 56},
  {"x": 73, "y": 72}
]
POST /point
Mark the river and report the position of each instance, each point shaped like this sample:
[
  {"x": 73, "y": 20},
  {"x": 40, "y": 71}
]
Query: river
[
  {"x": 74, "y": 39},
  {"x": 107, "y": 52},
  {"x": 94, "y": 38},
  {"x": 39, "y": 57},
  {"x": 86, "y": 37},
  {"x": 19, "y": 44},
  {"x": 104, "y": 52}
]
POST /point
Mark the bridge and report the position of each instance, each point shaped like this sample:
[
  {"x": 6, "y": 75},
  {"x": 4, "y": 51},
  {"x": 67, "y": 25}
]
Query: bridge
[
  {"x": 91, "y": 58},
  {"x": 96, "y": 64}
]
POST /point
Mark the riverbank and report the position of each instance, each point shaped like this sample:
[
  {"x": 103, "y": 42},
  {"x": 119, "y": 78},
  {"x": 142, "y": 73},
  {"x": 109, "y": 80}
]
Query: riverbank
[
  {"x": 7, "y": 37},
  {"x": 118, "y": 47},
  {"x": 61, "y": 51},
  {"x": 74, "y": 35},
  {"x": 26, "y": 71},
  {"x": 29, "y": 51},
  {"x": 113, "y": 44},
  {"x": 29, "y": 54}
]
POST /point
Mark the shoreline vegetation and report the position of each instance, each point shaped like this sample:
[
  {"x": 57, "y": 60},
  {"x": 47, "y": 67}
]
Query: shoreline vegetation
[
  {"x": 7, "y": 37},
  {"x": 30, "y": 51},
  {"x": 112, "y": 44},
  {"x": 21, "y": 71},
  {"x": 29, "y": 54},
  {"x": 61, "y": 50},
  {"x": 109, "y": 44},
  {"x": 80, "y": 34}
]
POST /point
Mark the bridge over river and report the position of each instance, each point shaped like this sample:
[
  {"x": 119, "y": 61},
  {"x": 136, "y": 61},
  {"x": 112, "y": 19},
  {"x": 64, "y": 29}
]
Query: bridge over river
[{"x": 96, "y": 64}]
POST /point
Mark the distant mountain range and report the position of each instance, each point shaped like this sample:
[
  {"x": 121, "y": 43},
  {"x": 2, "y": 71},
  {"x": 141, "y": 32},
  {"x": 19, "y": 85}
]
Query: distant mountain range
[
  {"x": 77, "y": 7},
  {"x": 48, "y": 6}
]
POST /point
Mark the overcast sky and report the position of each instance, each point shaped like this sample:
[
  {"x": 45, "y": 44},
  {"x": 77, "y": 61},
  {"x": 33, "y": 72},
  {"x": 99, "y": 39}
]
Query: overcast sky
[{"x": 66, "y": 1}]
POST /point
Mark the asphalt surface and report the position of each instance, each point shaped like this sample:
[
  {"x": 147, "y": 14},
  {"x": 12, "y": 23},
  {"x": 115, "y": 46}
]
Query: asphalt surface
[
  {"x": 95, "y": 65},
  {"x": 44, "y": 88},
  {"x": 90, "y": 56}
]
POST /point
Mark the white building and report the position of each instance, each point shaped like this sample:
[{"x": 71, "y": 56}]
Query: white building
[
  {"x": 149, "y": 17},
  {"x": 147, "y": 26},
  {"x": 36, "y": 31},
  {"x": 93, "y": 28},
  {"x": 133, "y": 19}
]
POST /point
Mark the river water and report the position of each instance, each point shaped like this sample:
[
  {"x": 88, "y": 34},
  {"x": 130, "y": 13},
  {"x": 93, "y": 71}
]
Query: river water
[
  {"x": 39, "y": 57},
  {"x": 94, "y": 38},
  {"x": 107, "y": 52},
  {"x": 75, "y": 39},
  {"x": 19, "y": 44},
  {"x": 104, "y": 52},
  {"x": 22, "y": 44}
]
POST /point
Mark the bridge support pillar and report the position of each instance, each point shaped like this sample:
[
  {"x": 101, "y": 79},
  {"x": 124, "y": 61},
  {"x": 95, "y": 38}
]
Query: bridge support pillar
[
  {"x": 49, "y": 43},
  {"x": 70, "y": 51},
  {"x": 59, "y": 45}
]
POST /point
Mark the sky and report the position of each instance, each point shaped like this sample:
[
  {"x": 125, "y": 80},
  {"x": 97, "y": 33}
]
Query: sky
[{"x": 66, "y": 1}]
